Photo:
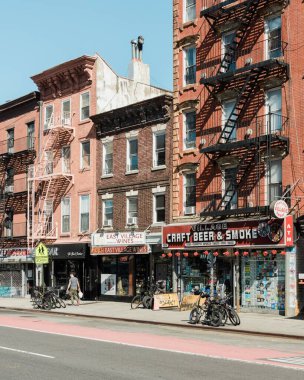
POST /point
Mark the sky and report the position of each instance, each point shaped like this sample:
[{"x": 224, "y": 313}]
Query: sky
[{"x": 39, "y": 34}]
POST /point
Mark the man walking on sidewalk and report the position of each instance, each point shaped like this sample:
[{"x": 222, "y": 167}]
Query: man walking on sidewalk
[{"x": 73, "y": 288}]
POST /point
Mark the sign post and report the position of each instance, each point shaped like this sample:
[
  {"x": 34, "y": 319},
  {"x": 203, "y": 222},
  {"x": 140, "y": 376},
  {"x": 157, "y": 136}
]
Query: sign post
[{"x": 41, "y": 257}]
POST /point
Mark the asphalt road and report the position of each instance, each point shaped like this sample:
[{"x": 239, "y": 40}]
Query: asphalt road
[{"x": 63, "y": 347}]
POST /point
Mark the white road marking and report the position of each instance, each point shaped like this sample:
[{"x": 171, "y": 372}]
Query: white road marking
[
  {"x": 27, "y": 352},
  {"x": 262, "y": 362}
]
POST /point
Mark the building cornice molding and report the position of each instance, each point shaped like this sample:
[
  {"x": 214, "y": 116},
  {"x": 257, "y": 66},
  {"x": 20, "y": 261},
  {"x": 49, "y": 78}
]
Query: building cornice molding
[{"x": 68, "y": 77}]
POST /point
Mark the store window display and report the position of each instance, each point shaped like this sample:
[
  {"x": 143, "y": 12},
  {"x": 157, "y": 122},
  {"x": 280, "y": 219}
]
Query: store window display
[{"x": 263, "y": 282}]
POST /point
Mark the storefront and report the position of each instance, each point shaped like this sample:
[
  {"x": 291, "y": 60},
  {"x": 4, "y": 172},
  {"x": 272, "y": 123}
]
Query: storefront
[
  {"x": 251, "y": 259},
  {"x": 16, "y": 272},
  {"x": 64, "y": 259},
  {"x": 123, "y": 263}
]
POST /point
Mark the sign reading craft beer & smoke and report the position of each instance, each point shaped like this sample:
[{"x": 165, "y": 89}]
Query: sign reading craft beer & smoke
[{"x": 241, "y": 234}]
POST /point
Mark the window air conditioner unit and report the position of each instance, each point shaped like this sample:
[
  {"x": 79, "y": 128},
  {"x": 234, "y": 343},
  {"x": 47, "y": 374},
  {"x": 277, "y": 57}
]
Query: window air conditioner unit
[
  {"x": 190, "y": 210},
  {"x": 132, "y": 221},
  {"x": 66, "y": 121},
  {"x": 108, "y": 223},
  {"x": 9, "y": 189}
]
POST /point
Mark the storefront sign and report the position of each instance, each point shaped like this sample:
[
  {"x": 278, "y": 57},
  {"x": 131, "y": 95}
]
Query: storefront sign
[
  {"x": 41, "y": 254},
  {"x": 8, "y": 255},
  {"x": 189, "y": 302},
  {"x": 279, "y": 208},
  {"x": 240, "y": 234},
  {"x": 289, "y": 230},
  {"x": 165, "y": 300},
  {"x": 108, "y": 284},
  {"x": 67, "y": 251},
  {"x": 118, "y": 238},
  {"x": 133, "y": 249}
]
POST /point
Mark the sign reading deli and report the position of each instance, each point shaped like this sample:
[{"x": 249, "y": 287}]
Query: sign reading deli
[{"x": 239, "y": 234}]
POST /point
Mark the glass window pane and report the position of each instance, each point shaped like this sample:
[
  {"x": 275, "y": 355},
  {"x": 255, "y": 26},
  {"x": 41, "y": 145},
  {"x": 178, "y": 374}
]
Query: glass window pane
[{"x": 85, "y": 154}]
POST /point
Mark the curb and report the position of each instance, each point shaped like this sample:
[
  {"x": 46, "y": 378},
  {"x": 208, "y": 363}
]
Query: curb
[{"x": 167, "y": 324}]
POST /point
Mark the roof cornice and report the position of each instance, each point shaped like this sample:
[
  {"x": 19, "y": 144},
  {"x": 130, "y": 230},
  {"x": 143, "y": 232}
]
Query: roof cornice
[{"x": 35, "y": 95}]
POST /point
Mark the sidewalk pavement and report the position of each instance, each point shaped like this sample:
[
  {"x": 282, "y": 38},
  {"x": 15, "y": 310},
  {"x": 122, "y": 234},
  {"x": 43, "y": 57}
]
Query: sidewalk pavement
[{"x": 251, "y": 323}]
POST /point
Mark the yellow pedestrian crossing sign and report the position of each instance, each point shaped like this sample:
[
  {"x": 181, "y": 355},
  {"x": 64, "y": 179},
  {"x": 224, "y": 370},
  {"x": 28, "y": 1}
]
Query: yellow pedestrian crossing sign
[{"x": 41, "y": 254}]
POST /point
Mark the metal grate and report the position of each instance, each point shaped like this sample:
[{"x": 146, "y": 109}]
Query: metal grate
[{"x": 296, "y": 360}]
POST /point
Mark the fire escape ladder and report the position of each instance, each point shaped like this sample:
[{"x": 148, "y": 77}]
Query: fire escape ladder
[
  {"x": 247, "y": 160},
  {"x": 241, "y": 100},
  {"x": 244, "y": 23}
]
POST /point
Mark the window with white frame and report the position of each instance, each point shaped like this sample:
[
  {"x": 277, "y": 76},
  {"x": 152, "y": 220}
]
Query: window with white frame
[
  {"x": 10, "y": 140},
  {"x": 48, "y": 116},
  {"x": 49, "y": 162},
  {"x": 273, "y": 30},
  {"x": 66, "y": 159},
  {"x": 48, "y": 215},
  {"x": 66, "y": 112},
  {"x": 190, "y": 10},
  {"x": 84, "y": 216},
  {"x": 65, "y": 215},
  {"x": 132, "y": 210},
  {"x": 274, "y": 110},
  {"x": 159, "y": 151},
  {"x": 274, "y": 176},
  {"x": 107, "y": 219},
  {"x": 189, "y": 193},
  {"x": 228, "y": 108},
  {"x": 228, "y": 52},
  {"x": 107, "y": 162},
  {"x": 189, "y": 65},
  {"x": 189, "y": 129},
  {"x": 85, "y": 155},
  {"x": 84, "y": 106},
  {"x": 31, "y": 135},
  {"x": 159, "y": 208},
  {"x": 132, "y": 154},
  {"x": 229, "y": 190}
]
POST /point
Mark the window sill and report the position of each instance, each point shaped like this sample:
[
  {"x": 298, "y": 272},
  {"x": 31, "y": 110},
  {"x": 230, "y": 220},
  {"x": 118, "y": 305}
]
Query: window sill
[
  {"x": 85, "y": 121},
  {"x": 65, "y": 234},
  {"x": 158, "y": 224},
  {"x": 186, "y": 24},
  {"x": 84, "y": 170},
  {"x": 107, "y": 176},
  {"x": 188, "y": 151},
  {"x": 188, "y": 87},
  {"x": 162, "y": 167},
  {"x": 131, "y": 227},
  {"x": 85, "y": 233},
  {"x": 107, "y": 228},
  {"x": 131, "y": 172}
]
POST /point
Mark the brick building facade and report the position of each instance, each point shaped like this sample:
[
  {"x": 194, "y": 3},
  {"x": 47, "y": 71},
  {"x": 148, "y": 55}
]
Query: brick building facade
[
  {"x": 19, "y": 121},
  {"x": 238, "y": 138},
  {"x": 133, "y": 183}
]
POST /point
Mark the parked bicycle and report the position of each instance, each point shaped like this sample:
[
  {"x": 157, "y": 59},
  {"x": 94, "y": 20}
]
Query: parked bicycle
[
  {"x": 207, "y": 312},
  {"x": 214, "y": 312},
  {"x": 145, "y": 298},
  {"x": 46, "y": 300}
]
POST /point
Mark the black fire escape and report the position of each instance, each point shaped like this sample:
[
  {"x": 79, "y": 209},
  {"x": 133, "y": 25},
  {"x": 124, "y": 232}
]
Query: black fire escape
[
  {"x": 14, "y": 161},
  {"x": 244, "y": 81}
]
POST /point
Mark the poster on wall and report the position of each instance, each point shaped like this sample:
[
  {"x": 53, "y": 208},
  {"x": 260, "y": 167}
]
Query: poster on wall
[{"x": 108, "y": 284}]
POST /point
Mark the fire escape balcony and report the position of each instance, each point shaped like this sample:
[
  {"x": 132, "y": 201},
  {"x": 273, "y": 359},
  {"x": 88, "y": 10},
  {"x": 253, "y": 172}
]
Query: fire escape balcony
[
  {"x": 220, "y": 68},
  {"x": 14, "y": 147},
  {"x": 61, "y": 122},
  {"x": 270, "y": 130},
  {"x": 216, "y": 11}
]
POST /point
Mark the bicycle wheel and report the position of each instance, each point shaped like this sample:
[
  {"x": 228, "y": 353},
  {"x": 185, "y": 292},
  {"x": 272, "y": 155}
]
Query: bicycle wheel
[
  {"x": 216, "y": 318},
  {"x": 62, "y": 303},
  {"x": 233, "y": 317},
  {"x": 46, "y": 304},
  {"x": 224, "y": 313},
  {"x": 136, "y": 302},
  {"x": 195, "y": 315},
  {"x": 147, "y": 302}
]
